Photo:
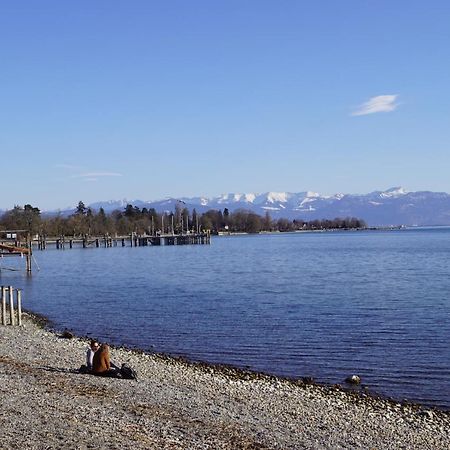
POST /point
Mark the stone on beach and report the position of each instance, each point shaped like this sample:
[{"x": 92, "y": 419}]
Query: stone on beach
[
  {"x": 66, "y": 334},
  {"x": 353, "y": 379}
]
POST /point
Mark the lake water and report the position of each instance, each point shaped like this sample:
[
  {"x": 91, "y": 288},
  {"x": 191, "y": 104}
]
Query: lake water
[{"x": 325, "y": 305}]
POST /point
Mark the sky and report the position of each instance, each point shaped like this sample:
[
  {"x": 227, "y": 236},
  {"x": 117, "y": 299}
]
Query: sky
[{"x": 105, "y": 100}]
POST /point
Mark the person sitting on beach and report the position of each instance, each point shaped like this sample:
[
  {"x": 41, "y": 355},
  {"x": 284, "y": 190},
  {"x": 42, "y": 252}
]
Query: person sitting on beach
[
  {"x": 101, "y": 364},
  {"x": 93, "y": 347}
]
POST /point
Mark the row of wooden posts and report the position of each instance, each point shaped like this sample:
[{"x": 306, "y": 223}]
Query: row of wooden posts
[
  {"x": 18, "y": 248},
  {"x": 134, "y": 241},
  {"x": 9, "y": 317}
]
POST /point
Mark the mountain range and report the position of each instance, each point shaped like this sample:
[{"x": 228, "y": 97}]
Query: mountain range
[{"x": 395, "y": 206}]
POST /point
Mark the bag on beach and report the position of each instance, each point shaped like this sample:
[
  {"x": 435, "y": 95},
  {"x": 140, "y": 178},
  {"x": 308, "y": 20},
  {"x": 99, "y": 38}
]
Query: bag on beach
[
  {"x": 84, "y": 369},
  {"x": 128, "y": 373}
]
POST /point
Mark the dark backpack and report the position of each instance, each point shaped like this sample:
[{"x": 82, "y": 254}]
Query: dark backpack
[{"x": 128, "y": 373}]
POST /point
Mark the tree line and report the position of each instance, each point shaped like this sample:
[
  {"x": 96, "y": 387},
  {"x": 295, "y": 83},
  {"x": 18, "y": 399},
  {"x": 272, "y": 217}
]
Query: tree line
[{"x": 84, "y": 221}]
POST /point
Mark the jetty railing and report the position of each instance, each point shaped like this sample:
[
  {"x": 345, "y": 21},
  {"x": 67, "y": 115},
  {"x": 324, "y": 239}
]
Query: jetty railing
[
  {"x": 130, "y": 240},
  {"x": 9, "y": 247},
  {"x": 9, "y": 314}
]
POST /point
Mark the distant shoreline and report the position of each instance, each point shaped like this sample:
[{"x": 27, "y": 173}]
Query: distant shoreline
[{"x": 329, "y": 230}]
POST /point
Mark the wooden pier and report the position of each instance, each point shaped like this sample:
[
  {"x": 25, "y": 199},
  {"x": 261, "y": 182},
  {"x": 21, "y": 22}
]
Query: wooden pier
[
  {"x": 132, "y": 240},
  {"x": 11, "y": 246},
  {"x": 24, "y": 248}
]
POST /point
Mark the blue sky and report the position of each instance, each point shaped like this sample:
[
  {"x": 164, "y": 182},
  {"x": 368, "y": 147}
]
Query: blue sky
[{"x": 143, "y": 99}]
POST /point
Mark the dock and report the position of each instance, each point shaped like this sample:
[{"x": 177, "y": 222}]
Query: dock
[
  {"x": 24, "y": 248},
  {"x": 132, "y": 240}
]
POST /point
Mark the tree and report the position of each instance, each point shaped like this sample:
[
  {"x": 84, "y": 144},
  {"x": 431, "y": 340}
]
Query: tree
[
  {"x": 132, "y": 219},
  {"x": 81, "y": 209},
  {"x": 132, "y": 211},
  {"x": 253, "y": 223},
  {"x": 214, "y": 220},
  {"x": 32, "y": 217},
  {"x": 27, "y": 219},
  {"x": 57, "y": 226},
  {"x": 267, "y": 222},
  {"x": 206, "y": 222},
  {"x": 284, "y": 225}
]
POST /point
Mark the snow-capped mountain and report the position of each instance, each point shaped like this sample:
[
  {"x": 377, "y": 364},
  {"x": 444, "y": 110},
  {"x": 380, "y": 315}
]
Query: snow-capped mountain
[{"x": 395, "y": 206}]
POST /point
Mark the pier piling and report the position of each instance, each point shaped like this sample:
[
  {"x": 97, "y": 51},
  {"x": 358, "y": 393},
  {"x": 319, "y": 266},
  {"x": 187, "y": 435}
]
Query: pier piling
[
  {"x": 11, "y": 317},
  {"x": 11, "y": 305},
  {"x": 19, "y": 307},
  {"x": 3, "y": 305}
]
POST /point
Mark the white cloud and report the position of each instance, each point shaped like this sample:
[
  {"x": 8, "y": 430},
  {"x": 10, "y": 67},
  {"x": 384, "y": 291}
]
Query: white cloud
[
  {"x": 380, "y": 103},
  {"x": 94, "y": 175},
  {"x": 67, "y": 166},
  {"x": 84, "y": 173}
]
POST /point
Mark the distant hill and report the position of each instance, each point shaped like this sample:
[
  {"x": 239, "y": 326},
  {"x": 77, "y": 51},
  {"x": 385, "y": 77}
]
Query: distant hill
[{"x": 394, "y": 206}]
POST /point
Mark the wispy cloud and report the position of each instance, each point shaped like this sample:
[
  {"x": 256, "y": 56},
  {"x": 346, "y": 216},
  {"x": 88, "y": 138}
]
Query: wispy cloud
[
  {"x": 84, "y": 174},
  {"x": 380, "y": 103},
  {"x": 95, "y": 175},
  {"x": 67, "y": 166}
]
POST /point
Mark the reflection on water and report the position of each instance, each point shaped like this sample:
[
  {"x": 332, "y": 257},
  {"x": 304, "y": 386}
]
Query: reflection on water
[{"x": 325, "y": 305}]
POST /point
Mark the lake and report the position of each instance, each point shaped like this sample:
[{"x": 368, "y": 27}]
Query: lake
[{"x": 326, "y": 305}]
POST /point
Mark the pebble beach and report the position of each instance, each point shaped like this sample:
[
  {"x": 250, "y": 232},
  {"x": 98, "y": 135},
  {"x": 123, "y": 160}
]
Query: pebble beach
[{"x": 174, "y": 404}]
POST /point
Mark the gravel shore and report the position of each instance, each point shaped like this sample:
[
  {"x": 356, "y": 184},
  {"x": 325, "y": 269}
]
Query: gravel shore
[{"x": 46, "y": 404}]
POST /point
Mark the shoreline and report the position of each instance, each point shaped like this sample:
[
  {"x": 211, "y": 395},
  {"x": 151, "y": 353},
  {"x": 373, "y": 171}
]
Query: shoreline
[
  {"x": 325, "y": 230},
  {"x": 238, "y": 373},
  {"x": 179, "y": 404}
]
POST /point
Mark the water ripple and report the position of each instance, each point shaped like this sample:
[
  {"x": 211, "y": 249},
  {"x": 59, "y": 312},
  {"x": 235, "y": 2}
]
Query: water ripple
[{"x": 324, "y": 305}]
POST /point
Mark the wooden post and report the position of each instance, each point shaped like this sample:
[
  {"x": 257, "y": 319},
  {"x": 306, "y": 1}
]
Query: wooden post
[
  {"x": 11, "y": 305},
  {"x": 19, "y": 307},
  {"x": 3, "y": 305},
  {"x": 28, "y": 254}
]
